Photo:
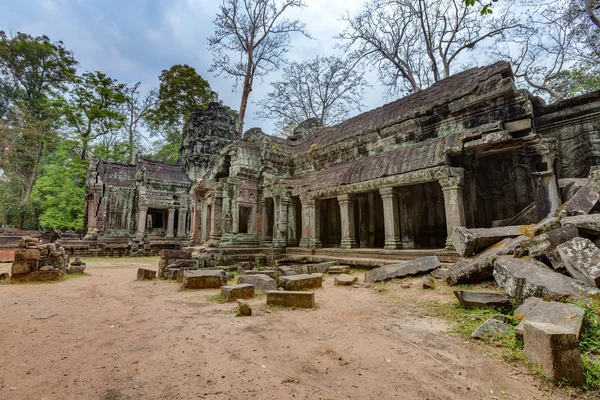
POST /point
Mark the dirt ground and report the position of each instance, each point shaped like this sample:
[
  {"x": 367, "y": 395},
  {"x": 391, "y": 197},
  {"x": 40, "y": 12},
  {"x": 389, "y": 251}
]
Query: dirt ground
[{"x": 107, "y": 336}]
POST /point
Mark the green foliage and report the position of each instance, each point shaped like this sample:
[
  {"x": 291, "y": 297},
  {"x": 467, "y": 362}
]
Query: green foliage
[
  {"x": 217, "y": 298},
  {"x": 60, "y": 191},
  {"x": 583, "y": 78},
  {"x": 589, "y": 345}
]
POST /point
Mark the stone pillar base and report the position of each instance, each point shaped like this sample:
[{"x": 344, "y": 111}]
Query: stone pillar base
[
  {"x": 408, "y": 245},
  {"x": 310, "y": 243},
  {"x": 393, "y": 243},
  {"x": 266, "y": 241},
  {"x": 279, "y": 242},
  {"x": 348, "y": 243}
]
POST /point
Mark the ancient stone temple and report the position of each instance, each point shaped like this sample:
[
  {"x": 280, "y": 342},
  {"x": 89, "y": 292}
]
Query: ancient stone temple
[{"x": 471, "y": 150}]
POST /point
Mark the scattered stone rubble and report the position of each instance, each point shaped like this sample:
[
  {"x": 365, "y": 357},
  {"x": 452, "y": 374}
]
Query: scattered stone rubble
[{"x": 38, "y": 262}]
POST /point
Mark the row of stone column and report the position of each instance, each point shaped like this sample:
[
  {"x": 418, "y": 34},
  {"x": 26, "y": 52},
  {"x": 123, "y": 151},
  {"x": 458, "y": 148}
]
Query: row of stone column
[{"x": 181, "y": 222}]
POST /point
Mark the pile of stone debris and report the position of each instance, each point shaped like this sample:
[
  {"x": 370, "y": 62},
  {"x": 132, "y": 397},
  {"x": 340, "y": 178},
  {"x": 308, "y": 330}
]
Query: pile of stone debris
[
  {"x": 173, "y": 261},
  {"x": 38, "y": 262}
]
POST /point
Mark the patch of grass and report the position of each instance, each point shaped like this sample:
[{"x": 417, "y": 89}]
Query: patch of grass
[
  {"x": 464, "y": 320},
  {"x": 271, "y": 308},
  {"x": 589, "y": 345},
  {"x": 217, "y": 298},
  {"x": 66, "y": 277},
  {"x": 358, "y": 270}
]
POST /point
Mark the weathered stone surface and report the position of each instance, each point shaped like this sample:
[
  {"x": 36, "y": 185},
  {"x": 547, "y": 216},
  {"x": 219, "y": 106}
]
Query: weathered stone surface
[
  {"x": 23, "y": 267},
  {"x": 320, "y": 268},
  {"x": 589, "y": 223},
  {"x": 345, "y": 280},
  {"x": 491, "y": 327},
  {"x": 286, "y": 270},
  {"x": 245, "y": 265},
  {"x": 175, "y": 254},
  {"x": 269, "y": 272},
  {"x": 568, "y": 316},
  {"x": 240, "y": 291},
  {"x": 581, "y": 257},
  {"x": 339, "y": 269},
  {"x": 505, "y": 319},
  {"x": 145, "y": 274},
  {"x": 528, "y": 305},
  {"x": 546, "y": 225},
  {"x": 546, "y": 242},
  {"x": 569, "y": 191},
  {"x": 556, "y": 262},
  {"x": 481, "y": 266},
  {"x": 418, "y": 266},
  {"x": 77, "y": 262},
  {"x": 183, "y": 264},
  {"x": 27, "y": 255},
  {"x": 301, "y": 282},
  {"x": 4, "y": 276},
  {"x": 440, "y": 273},
  {"x": 260, "y": 282},
  {"x": 471, "y": 299},
  {"x": 76, "y": 269},
  {"x": 245, "y": 308},
  {"x": 46, "y": 268},
  {"x": 38, "y": 276},
  {"x": 522, "y": 278},
  {"x": 554, "y": 348},
  {"x": 428, "y": 282},
  {"x": 202, "y": 279},
  {"x": 581, "y": 203},
  {"x": 471, "y": 241},
  {"x": 291, "y": 299}
]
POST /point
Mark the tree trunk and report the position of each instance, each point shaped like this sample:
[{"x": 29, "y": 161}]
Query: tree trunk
[
  {"x": 130, "y": 157},
  {"x": 245, "y": 94},
  {"x": 589, "y": 9}
]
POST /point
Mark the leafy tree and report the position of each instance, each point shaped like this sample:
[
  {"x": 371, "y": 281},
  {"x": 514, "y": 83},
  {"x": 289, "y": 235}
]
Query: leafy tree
[
  {"x": 60, "y": 191},
  {"x": 578, "y": 80},
  {"x": 136, "y": 109},
  {"x": 181, "y": 91},
  {"x": 257, "y": 35},
  {"x": 327, "y": 88}
]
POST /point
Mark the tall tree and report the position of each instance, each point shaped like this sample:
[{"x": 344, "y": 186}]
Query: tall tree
[
  {"x": 181, "y": 91},
  {"x": 256, "y": 33},
  {"x": 136, "y": 109},
  {"x": 416, "y": 43},
  {"x": 327, "y": 88}
]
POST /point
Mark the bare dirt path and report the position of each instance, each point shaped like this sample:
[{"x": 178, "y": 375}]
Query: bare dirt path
[{"x": 107, "y": 336}]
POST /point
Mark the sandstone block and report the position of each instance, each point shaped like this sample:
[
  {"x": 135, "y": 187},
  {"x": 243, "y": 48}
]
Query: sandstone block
[
  {"x": 301, "y": 282},
  {"x": 440, "y": 273},
  {"x": 546, "y": 242},
  {"x": 27, "y": 255},
  {"x": 522, "y": 278},
  {"x": 581, "y": 203},
  {"x": 589, "y": 223},
  {"x": 320, "y": 268},
  {"x": 23, "y": 267},
  {"x": 569, "y": 191},
  {"x": 183, "y": 264},
  {"x": 202, "y": 279},
  {"x": 175, "y": 254},
  {"x": 345, "y": 280},
  {"x": 428, "y": 282},
  {"x": 286, "y": 270},
  {"x": 260, "y": 282},
  {"x": 145, "y": 274},
  {"x": 339, "y": 269},
  {"x": 269, "y": 272},
  {"x": 245, "y": 265},
  {"x": 4, "y": 276},
  {"x": 581, "y": 257},
  {"x": 77, "y": 262},
  {"x": 245, "y": 308},
  {"x": 528, "y": 305},
  {"x": 491, "y": 327},
  {"x": 418, "y": 266},
  {"x": 470, "y": 299},
  {"x": 240, "y": 291},
  {"x": 468, "y": 242},
  {"x": 38, "y": 276},
  {"x": 555, "y": 350},
  {"x": 481, "y": 266},
  {"x": 568, "y": 316},
  {"x": 291, "y": 299},
  {"x": 76, "y": 269},
  {"x": 556, "y": 262}
]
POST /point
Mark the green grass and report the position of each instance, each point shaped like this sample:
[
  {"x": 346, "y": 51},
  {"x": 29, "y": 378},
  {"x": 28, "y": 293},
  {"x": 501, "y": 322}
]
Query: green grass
[
  {"x": 65, "y": 277},
  {"x": 589, "y": 345},
  {"x": 358, "y": 270},
  {"x": 464, "y": 320},
  {"x": 217, "y": 298}
]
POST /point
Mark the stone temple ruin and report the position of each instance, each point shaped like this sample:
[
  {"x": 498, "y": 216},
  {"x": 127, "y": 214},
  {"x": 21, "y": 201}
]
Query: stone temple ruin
[{"x": 389, "y": 184}]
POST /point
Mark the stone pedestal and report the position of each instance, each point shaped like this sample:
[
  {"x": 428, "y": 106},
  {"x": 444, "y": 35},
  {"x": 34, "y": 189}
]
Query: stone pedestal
[
  {"x": 141, "y": 226},
  {"x": 311, "y": 223},
  {"x": 390, "y": 218},
  {"x": 347, "y": 220},
  {"x": 406, "y": 221},
  {"x": 452, "y": 187}
]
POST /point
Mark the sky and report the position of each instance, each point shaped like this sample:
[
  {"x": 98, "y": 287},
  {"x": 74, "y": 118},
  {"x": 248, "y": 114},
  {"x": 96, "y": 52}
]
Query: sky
[{"x": 134, "y": 40}]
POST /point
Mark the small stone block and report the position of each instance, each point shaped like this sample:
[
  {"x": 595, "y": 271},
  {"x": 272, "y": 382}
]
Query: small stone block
[
  {"x": 345, "y": 280},
  {"x": 240, "y": 291},
  {"x": 202, "y": 279},
  {"x": 301, "y": 282},
  {"x": 23, "y": 267},
  {"x": 245, "y": 308},
  {"x": 145, "y": 274},
  {"x": 27, "y": 255},
  {"x": 339, "y": 269},
  {"x": 291, "y": 299}
]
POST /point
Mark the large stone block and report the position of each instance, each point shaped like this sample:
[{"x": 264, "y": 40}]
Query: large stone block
[
  {"x": 471, "y": 241},
  {"x": 469, "y": 299},
  {"x": 339, "y": 269},
  {"x": 524, "y": 309},
  {"x": 23, "y": 267},
  {"x": 581, "y": 257},
  {"x": 291, "y": 299},
  {"x": 27, "y": 255},
  {"x": 581, "y": 203},
  {"x": 240, "y": 291},
  {"x": 589, "y": 223},
  {"x": 38, "y": 276},
  {"x": 546, "y": 242},
  {"x": 202, "y": 279},
  {"x": 568, "y": 316},
  {"x": 319, "y": 268},
  {"x": 481, "y": 266},
  {"x": 4, "y": 276},
  {"x": 286, "y": 270},
  {"x": 523, "y": 278},
  {"x": 76, "y": 269},
  {"x": 301, "y": 282},
  {"x": 175, "y": 254},
  {"x": 260, "y": 282},
  {"x": 554, "y": 348},
  {"x": 145, "y": 274},
  {"x": 418, "y": 266}
]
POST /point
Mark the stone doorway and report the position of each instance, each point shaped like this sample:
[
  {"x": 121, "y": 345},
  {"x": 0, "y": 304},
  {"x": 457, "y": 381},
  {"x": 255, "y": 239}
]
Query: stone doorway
[
  {"x": 245, "y": 213},
  {"x": 369, "y": 230},
  {"x": 331, "y": 226},
  {"x": 428, "y": 214}
]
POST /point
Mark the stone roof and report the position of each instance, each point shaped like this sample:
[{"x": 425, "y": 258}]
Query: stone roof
[
  {"x": 116, "y": 174},
  {"x": 163, "y": 171}
]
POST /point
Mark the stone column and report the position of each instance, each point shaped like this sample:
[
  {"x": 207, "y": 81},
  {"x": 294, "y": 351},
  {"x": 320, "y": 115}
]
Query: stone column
[
  {"x": 264, "y": 223},
  {"x": 390, "y": 218},
  {"x": 181, "y": 222},
  {"x": 454, "y": 205},
  {"x": 196, "y": 224},
  {"x": 141, "y": 226},
  {"x": 281, "y": 225},
  {"x": 311, "y": 223},
  {"x": 545, "y": 186},
  {"x": 171, "y": 222},
  {"x": 406, "y": 220},
  {"x": 347, "y": 220},
  {"x": 215, "y": 218},
  {"x": 292, "y": 237}
]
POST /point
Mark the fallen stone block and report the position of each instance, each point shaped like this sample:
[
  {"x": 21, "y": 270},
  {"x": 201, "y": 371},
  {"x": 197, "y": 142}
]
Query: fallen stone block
[
  {"x": 229, "y": 276},
  {"x": 581, "y": 203},
  {"x": 546, "y": 225},
  {"x": 174, "y": 274},
  {"x": 245, "y": 308},
  {"x": 440, "y": 273},
  {"x": 529, "y": 304},
  {"x": 568, "y": 316},
  {"x": 554, "y": 349},
  {"x": 428, "y": 282},
  {"x": 546, "y": 242},
  {"x": 301, "y": 282},
  {"x": 38, "y": 276},
  {"x": 470, "y": 299},
  {"x": 418, "y": 266},
  {"x": 339, "y": 269},
  {"x": 175, "y": 254},
  {"x": 245, "y": 265},
  {"x": 202, "y": 279},
  {"x": 240, "y": 291},
  {"x": 4, "y": 276},
  {"x": 320, "y": 268},
  {"x": 589, "y": 223},
  {"x": 569, "y": 191},
  {"x": 77, "y": 262},
  {"x": 291, "y": 299},
  {"x": 490, "y": 328},
  {"x": 145, "y": 274},
  {"x": 269, "y": 272},
  {"x": 556, "y": 262},
  {"x": 345, "y": 280},
  {"x": 286, "y": 270},
  {"x": 27, "y": 255},
  {"x": 23, "y": 267},
  {"x": 505, "y": 319},
  {"x": 481, "y": 266},
  {"x": 581, "y": 257},
  {"x": 184, "y": 264},
  {"x": 260, "y": 282},
  {"x": 523, "y": 278},
  {"x": 76, "y": 269},
  {"x": 471, "y": 241}
]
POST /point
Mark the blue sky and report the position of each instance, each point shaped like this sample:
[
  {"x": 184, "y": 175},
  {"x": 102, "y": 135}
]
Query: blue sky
[{"x": 134, "y": 40}]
